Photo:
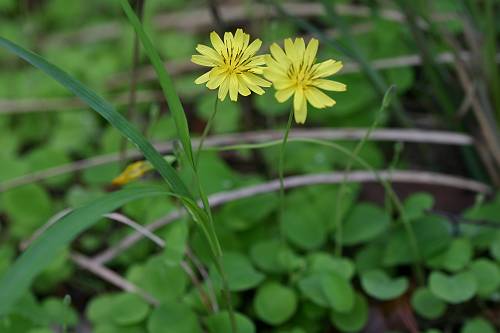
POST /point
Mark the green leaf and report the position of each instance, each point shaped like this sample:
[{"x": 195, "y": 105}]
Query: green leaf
[
  {"x": 303, "y": 228},
  {"x": 28, "y": 207},
  {"x": 432, "y": 235},
  {"x": 275, "y": 304},
  {"x": 354, "y": 320},
  {"x": 453, "y": 289},
  {"x": 324, "y": 262},
  {"x": 365, "y": 222},
  {"x": 128, "y": 309},
  {"x": 42, "y": 251},
  {"x": 176, "y": 238},
  {"x": 379, "y": 285},
  {"x": 487, "y": 275},
  {"x": 426, "y": 304},
  {"x": 478, "y": 325},
  {"x": 59, "y": 313},
  {"x": 240, "y": 273},
  {"x": 338, "y": 292},
  {"x": 273, "y": 256},
  {"x": 219, "y": 323},
  {"x": 173, "y": 317},
  {"x": 456, "y": 257},
  {"x": 158, "y": 273},
  {"x": 416, "y": 205},
  {"x": 328, "y": 289}
]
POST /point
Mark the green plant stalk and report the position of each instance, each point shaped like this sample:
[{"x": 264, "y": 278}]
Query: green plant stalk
[
  {"x": 180, "y": 120},
  {"x": 491, "y": 66},
  {"x": 206, "y": 130},
  {"x": 342, "y": 191},
  {"x": 281, "y": 167},
  {"x": 386, "y": 184}
]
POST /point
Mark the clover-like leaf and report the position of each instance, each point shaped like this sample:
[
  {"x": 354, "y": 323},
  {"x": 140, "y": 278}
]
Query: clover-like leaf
[
  {"x": 453, "y": 289},
  {"x": 379, "y": 285}
]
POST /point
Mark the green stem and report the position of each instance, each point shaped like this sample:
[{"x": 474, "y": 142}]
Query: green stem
[
  {"x": 227, "y": 294},
  {"x": 206, "y": 130},
  {"x": 341, "y": 193},
  {"x": 281, "y": 166}
]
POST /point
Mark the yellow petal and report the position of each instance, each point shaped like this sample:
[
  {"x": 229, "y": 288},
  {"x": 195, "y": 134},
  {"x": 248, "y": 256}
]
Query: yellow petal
[
  {"x": 298, "y": 98},
  {"x": 317, "y": 98},
  {"x": 203, "y": 78},
  {"x": 251, "y": 49},
  {"x": 300, "y": 114},
  {"x": 217, "y": 42},
  {"x": 290, "y": 49},
  {"x": 326, "y": 68},
  {"x": 210, "y": 53},
  {"x": 215, "y": 81},
  {"x": 233, "y": 87},
  {"x": 329, "y": 85},
  {"x": 280, "y": 59},
  {"x": 203, "y": 60},
  {"x": 251, "y": 85},
  {"x": 223, "y": 89},
  {"x": 284, "y": 94},
  {"x": 255, "y": 79},
  {"x": 242, "y": 86},
  {"x": 283, "y": 84},
  {"x": 311, "y": 51},
  {"x": 300, "y": 46}
]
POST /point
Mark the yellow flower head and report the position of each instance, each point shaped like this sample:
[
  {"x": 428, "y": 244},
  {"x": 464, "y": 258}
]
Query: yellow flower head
[
  {"x": 234, "y": 65},
  {"x": 132, "y": 172},
  {"x": 294, "y": 72}
]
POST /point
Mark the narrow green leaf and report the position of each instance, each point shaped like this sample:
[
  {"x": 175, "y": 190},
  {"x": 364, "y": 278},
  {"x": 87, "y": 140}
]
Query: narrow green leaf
[
  {"x": 166, "y": 82},
  {"x": 42, "y": 251},
  {"x": 106, "y": 110}
]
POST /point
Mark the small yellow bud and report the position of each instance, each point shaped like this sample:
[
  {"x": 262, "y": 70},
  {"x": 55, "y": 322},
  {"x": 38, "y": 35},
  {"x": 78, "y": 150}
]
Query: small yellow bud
[{"x": 132, "y": 172}]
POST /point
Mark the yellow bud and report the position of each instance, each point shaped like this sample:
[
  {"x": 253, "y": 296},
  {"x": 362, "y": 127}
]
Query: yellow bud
[{"x": 132, "y": 172}]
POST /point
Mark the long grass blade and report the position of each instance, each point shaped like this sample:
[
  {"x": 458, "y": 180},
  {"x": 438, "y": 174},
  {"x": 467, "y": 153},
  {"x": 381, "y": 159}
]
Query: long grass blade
[
  {"x": 106, "y": 110},
  {"x": 166, "y": 82}
]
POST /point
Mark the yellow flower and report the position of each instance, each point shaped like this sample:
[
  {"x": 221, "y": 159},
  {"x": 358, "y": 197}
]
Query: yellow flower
[
  {"x": 294, "y": 72},
  {"x": 234, "y": 65}
]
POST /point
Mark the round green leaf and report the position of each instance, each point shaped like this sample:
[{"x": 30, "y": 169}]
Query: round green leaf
[
  {"x": 99, "y": 309},
  {"x": 458, "y": 255},
  {"x": 453, "y": 289},
  {"x": 487, "y": 275},
  {"x": 365, "y": 222},
  {"x": 379, "y": 285},
  {"x": 275, "y": 304},
  {"x": 324, "y": 262},
  {"x": 241, "y": 275},
  {"x": 303, "y": 228},
  {"x": 426, "y": 304},
  {"x": 158, "y": 273},
  {"x": 128, "y": 309},
  {"x": 354, "y": 320},
  {"x": 416, "y": 205},
  {"x": 28, "y": 206},
  {"x": 269, "y": 256},
  {"x": 338, "y": 292},
  {"x": 478, "y": 325},
  {"x": 495, "y": 249},
  {"x": 173, "y": 317},
  {"x": 219, "y": 323}
]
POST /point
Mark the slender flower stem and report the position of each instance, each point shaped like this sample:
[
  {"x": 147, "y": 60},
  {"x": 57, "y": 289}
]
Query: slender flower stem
[
  {"x": 343, "y": 189},
  {"x": 206, "y": 130},
  {"x": 281, "y": 167}
]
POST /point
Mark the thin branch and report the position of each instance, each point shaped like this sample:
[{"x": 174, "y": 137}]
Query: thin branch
[
  {"x": 199, "y": 19},
  {"x": 463, "y": 220},
  {"x": 403, "y": 135},
  {"x": 177, "y": 67},
  {"x": 215, "y": 200},
  {"x": 111, "y": 277}
]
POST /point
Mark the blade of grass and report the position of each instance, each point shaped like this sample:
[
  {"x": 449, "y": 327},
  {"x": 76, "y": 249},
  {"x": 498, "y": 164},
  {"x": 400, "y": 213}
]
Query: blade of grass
[
  {"x": 166, "y": 82},
  {"x": 44, "y": 249},
  {"x": 106, "y": 110}
]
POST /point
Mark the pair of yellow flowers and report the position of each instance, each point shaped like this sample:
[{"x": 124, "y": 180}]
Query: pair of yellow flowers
[{"x": 236, "y": 69}]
